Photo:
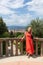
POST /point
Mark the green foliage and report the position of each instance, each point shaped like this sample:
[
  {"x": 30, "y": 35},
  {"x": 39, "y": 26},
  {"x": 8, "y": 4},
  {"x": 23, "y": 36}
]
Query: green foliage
[
  {"x": 18, "y": 34},
  {"x": 3, "y": 27},
  {"x": 37, "y": 27},
  {"x": 6, "y": 34}
]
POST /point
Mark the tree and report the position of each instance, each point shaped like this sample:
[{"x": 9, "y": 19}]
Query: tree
[
  {"x": 3, "y": 27},
  {"x": 18, "y": 34},
  {"x": 37, "y": 27},
  {"x": 6, "y": 34}
]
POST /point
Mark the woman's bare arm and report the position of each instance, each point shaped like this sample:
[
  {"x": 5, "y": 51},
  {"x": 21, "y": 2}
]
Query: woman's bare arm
[{"x": 23, "y": 37}]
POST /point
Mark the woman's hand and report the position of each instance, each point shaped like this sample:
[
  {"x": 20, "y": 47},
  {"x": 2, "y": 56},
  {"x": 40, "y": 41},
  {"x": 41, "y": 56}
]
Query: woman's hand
[
  {"x": 36, "y": 38},
  {"x": 21, "y": 39}
]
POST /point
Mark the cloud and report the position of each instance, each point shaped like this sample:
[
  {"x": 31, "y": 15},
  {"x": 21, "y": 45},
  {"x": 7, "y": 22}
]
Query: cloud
[
  {"x": 21, "y": 20},
  {"x": 12, "y": 3},
  {"x": 5, "y": 11},
  {"x": 12, "y": 18},
  {"x": 7, "y": 8},
  {"x": 16, "y": 3},
  {"x": 6, "y": 5},
  {"x": 36, "y": 6}
]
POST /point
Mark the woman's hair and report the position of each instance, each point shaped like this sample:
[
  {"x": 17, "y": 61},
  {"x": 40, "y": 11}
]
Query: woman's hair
[{"x": 29, "y": 29}]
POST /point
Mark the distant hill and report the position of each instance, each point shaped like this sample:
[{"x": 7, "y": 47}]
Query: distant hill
[{"x": 16, "y": 27}]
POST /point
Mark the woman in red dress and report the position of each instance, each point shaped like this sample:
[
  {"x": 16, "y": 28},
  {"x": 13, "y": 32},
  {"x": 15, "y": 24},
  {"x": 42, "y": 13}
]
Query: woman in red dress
[{"x": 29, "y": 42}]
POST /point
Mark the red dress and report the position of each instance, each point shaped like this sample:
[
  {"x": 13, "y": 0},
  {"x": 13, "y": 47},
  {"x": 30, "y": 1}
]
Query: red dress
[{"x": 29, "y": 43}]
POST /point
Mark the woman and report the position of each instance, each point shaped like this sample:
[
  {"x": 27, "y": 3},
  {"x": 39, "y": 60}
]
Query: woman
[{"x": 29, "y": 42}]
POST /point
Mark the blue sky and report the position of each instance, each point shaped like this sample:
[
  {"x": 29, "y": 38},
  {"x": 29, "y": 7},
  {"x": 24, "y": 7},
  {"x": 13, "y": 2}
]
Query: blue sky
[{"x": 20, "y": 12}]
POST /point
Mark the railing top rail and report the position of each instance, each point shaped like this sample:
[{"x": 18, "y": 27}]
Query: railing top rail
[
  {"x": 1, "y": 39},
  {"x": 39, "y": 39}
]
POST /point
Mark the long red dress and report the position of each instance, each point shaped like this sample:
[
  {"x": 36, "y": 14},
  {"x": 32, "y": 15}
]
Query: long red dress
[{"x": 29, "y": 43}]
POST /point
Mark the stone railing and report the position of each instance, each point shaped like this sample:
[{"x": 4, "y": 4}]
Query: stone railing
[
  {"x": 11, "y": 41},
  {"x": 41, "y": 45}
]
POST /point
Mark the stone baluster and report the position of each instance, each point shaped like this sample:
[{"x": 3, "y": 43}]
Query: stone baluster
[
  {"x": 7, "y": 47},
  {"x": 12, "y": 47},
  {"x": 16, "y": 47},
  {"x": 1, "y": 49},
  {"x": 21, "y": 44},
  {"x": 36, "y": 47},
  {"x": 41, "y": 48}
]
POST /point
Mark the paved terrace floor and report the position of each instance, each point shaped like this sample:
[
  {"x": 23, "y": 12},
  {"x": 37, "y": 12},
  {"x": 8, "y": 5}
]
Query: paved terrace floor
[{"x": 21, "y": 60}]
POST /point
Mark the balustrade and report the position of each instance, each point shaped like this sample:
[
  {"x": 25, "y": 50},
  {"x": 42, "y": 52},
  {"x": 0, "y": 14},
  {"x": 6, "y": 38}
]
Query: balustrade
[{"x": 18, "y": 40}]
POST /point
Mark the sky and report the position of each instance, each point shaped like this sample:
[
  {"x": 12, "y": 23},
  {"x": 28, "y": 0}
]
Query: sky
[{"x": 20, "y": 12}]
